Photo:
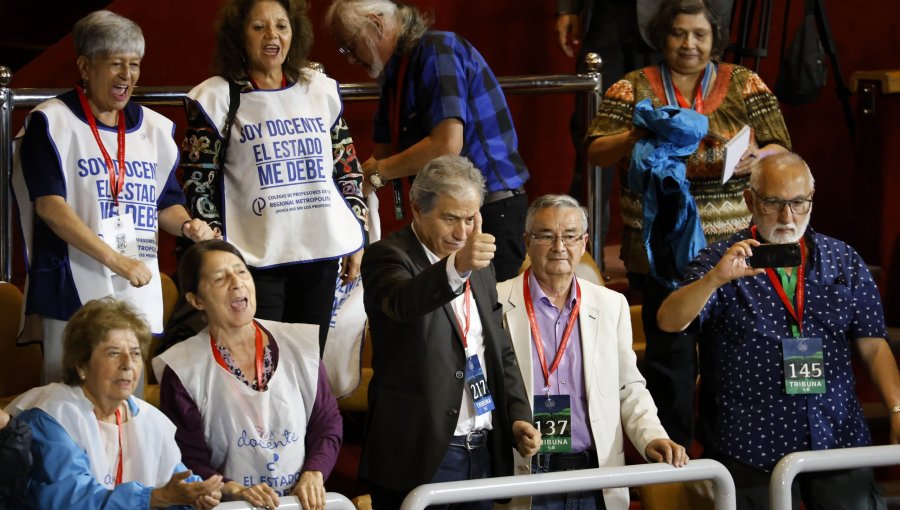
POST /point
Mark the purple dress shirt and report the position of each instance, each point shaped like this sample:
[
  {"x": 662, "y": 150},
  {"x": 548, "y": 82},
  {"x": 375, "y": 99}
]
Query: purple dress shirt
[{"x": 568, "y": 379}]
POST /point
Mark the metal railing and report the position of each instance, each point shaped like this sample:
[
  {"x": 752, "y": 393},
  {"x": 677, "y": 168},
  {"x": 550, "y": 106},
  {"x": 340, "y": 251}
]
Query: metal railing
[
  {"x": 333, "y": 501},
  {"x": 10, "y": 99},
  {"x": 824, "y": 460},
  {"x": 575, "y": 481}
]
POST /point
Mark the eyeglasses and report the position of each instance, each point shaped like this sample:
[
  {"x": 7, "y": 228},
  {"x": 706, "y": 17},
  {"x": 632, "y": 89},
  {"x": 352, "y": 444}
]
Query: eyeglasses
[
  {"x": 350, "y": 47},
  {"x": 550, "y": 239},
  {"x": 772, "y": 205}
]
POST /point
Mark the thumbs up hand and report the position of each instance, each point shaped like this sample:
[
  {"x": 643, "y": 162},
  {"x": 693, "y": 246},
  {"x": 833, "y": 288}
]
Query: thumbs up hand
[{"x": 478, "y": 250}]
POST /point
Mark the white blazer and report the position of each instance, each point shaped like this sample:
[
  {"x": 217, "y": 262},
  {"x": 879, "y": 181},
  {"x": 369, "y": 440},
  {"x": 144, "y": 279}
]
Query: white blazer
[{"x": 617, "y": 393}]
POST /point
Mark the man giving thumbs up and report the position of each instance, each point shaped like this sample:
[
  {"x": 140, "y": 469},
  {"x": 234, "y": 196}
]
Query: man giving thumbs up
[{"x": 447, "y": 400}]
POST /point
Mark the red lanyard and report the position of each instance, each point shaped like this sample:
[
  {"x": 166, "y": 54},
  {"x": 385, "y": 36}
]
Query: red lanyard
[
  {"x": 468, "y": 312},
  {"x": 797, "y": 313},
  {"x": 121, "y": 453},
  {"x": 396, "y": 99},
  {"x": 536, "y": 333},
  {"x": 259, "y": 355},
  {"x": 698, "y": 95},
  {"x": 116, "y": 182}
]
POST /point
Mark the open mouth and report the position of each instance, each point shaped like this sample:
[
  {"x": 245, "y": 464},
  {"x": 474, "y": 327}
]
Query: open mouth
[
  {"x": 239, "y": 305},
  {"x": 271, "y": 49},
  {"x": 120, "y": 92}
]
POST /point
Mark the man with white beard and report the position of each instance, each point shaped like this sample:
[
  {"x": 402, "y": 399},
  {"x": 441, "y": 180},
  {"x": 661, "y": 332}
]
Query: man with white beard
[{"x": 781, "y": 342}]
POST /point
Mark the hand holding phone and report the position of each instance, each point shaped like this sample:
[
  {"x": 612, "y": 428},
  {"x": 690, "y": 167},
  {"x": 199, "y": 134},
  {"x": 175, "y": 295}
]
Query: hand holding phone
[{"x": 776, "y": 255}]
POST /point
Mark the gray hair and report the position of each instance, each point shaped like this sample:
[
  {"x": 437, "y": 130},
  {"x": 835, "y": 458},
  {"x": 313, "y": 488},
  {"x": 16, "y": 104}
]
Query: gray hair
[
  {"x": 781, "y": 160},
  {"x": 105, "y": 33},
  {"x": 446, "y": 176},
  {"x": 353, "y": 15},
  {"x": 557, "y": 202}
]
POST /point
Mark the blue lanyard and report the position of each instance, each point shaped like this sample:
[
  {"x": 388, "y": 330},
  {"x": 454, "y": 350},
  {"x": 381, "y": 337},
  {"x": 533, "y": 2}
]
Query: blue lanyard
[{"x": 705, "y": 83}]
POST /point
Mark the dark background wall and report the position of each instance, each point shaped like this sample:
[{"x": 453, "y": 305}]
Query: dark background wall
[{"x": 517, "y": 38}]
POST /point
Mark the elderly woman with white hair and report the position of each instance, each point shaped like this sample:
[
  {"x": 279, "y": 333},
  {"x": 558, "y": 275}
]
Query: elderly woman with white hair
[
  {"x": 95, "y": 445},
  {"x": 91, "y": 232}
]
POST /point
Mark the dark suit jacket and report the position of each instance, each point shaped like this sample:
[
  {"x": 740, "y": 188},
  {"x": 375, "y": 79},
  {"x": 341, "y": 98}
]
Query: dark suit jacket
[{"x": 418, "y": 362}]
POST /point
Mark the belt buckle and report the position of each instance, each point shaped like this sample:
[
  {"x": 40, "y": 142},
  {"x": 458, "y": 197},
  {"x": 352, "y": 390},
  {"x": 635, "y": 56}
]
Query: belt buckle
[{"x": 469, "y": 437}]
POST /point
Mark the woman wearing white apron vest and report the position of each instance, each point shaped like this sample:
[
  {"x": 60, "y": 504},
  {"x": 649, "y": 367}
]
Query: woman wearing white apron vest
[
  {"x": 94, "y": 444},
  {"x": 90, "y": 232},
  {"x": 250, "y": 398},
  {"x": 282, "y": 181}
]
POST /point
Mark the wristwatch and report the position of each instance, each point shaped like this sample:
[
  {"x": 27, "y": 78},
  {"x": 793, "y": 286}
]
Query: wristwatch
[
  {"x": 376, "y": 180},
  {"x": 894, "y": 410}
]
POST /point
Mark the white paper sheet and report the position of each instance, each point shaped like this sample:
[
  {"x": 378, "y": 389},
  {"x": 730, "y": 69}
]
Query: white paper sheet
[{"x": 734, "y": 149}]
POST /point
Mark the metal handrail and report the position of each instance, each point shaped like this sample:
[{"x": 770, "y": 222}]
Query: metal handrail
[
  {"x": 333, "y": 501},
  {"x": 10, "y": 99},
  {"x": 824, "y": 460},
  {"x": 575, "y": 481}
]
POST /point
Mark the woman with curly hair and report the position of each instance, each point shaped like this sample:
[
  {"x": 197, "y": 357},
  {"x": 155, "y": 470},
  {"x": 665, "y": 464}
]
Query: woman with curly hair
[{"x": 269, "y": 160}]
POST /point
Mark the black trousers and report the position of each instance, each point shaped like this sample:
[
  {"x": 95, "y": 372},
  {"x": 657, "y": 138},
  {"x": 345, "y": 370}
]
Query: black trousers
[
  {"x": 505, "y": 220},
  {"x": 670, "y": 363},
  {"x": 845, "y": 489},
  {"x": 459, "y": 463},
  {"x": 297, "y": 293}
]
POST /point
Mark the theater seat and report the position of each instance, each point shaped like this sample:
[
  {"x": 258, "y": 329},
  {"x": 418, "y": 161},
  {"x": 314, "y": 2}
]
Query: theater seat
[
  {"x": 358, "y": 401},
  {"x": 363, "y": 502},
  {"x": 170, "y": 296},
  {"x": 586, "y": 269},
  {"x": 638, "y": 339},
  {"x": 676, "y": 496},
  {"x": 20, "y": 366},
  {"x": 170, "y": 299}
]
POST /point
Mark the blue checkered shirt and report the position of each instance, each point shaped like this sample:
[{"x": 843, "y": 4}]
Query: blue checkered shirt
[{"x": 447, "y": 78}]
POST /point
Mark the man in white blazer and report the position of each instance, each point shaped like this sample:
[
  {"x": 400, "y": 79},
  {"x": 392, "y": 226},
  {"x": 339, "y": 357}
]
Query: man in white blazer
[{"x": 583, "y": 382}]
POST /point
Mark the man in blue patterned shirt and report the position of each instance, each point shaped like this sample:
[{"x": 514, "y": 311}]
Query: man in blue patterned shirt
[
  {"x": 782, "y": 344},
  {"x": 449, "y": 103}
]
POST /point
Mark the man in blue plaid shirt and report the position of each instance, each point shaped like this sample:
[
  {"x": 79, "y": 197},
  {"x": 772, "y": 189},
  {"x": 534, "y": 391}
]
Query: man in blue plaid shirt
[{"x": 449, "y": 103}]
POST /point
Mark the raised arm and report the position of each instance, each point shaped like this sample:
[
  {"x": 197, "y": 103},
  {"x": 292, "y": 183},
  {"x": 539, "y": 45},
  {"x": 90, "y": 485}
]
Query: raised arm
[{"x": 684, "y": 305}]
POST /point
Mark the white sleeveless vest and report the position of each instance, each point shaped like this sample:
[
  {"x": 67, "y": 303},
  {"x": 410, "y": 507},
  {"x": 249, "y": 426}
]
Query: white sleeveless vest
[
  {"x": 150, "y": 157},
  {"x": 253, "y": 436},
  {"x": 149, "y": 451},
  {"x": 281, "y": 204}
]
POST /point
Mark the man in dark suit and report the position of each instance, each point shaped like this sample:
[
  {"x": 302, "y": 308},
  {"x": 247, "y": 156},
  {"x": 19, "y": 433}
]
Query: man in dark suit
[{"x": 446, "y": 401}]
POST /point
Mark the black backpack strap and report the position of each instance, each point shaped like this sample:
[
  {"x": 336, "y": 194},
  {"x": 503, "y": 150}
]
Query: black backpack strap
[{"x": 234, "y": 102}]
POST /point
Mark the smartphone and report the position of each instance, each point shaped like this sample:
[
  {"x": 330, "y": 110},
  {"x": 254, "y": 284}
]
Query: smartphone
[{"x": 776, "y": 255}]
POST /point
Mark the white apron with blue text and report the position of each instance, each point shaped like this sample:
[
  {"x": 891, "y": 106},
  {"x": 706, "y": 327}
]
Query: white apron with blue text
[
  {"x": 281, "y": 203},
  {"x": 150, "y": 157},
  {"x": 149, "y": 451},
  {"x": 253, "y": 436}
]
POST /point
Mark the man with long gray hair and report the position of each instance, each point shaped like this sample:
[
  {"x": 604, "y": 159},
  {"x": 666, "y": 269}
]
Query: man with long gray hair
[
  {"x": 438, "y": 96},
  {"x": 446, "y": 401}
]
